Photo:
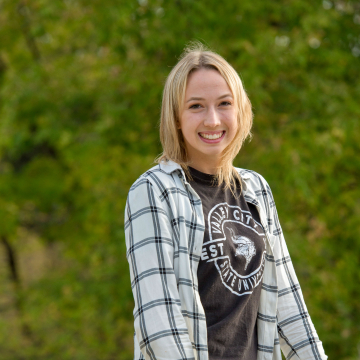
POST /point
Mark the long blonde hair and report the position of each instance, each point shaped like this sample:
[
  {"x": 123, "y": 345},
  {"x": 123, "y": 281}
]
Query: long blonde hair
[{"x": 195, "y": 57}]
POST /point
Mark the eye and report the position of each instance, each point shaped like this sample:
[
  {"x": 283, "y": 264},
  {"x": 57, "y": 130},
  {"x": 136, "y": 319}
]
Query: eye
[
  {"x": 195, "y": 106},
  {"x": 225, "y": 103}
]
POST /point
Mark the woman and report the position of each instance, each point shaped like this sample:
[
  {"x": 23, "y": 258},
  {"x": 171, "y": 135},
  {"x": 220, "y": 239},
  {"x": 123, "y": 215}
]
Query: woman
[{"x": 210, "y": 271}]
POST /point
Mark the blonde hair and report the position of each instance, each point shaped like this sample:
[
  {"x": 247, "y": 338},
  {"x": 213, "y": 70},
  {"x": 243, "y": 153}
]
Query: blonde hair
[{"x": 197, "y": 56}]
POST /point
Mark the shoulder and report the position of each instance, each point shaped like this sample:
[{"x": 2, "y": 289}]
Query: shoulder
[
  {"x": 253, "y": 180},
  {"x": 257, "y": 190},
  {"x": 157, "y": 178}
]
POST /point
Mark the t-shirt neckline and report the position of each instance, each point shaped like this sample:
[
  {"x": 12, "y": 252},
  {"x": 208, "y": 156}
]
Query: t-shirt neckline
[{"x": 201, "y": 177}]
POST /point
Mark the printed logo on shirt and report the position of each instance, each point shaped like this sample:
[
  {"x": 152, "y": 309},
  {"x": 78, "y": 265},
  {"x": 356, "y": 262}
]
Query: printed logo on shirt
[
  {"x": 246, "y": 247},
  {"x": 225, "y": 222}
]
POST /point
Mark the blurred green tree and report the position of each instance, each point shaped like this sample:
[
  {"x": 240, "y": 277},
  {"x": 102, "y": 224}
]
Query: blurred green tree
[{"x": 80, "y": 93}]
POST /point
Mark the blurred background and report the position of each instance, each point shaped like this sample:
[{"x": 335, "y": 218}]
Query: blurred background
[{"x": 80, "y": 94}]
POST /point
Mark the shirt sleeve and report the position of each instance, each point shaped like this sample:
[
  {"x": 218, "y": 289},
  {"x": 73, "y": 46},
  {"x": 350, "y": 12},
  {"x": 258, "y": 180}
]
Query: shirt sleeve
[
  {"x": 297, "y": 334},
  {"x": 160, "y": 328}
]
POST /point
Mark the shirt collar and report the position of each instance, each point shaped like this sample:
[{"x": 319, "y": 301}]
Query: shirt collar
[{"x": 171, "y": 166}]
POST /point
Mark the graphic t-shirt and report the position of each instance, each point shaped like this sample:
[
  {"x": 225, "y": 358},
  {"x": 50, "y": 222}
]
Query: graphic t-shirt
[{"x": 231, "y": 269}]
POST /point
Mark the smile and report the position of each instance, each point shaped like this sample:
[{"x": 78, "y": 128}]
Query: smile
[{"x": 212, "y": 136}]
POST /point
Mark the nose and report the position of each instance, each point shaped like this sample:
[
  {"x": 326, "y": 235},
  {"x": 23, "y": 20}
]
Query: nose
[{"x": 212, "y": 118}]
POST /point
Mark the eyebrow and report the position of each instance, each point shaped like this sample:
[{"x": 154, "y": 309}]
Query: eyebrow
[{"x": 199, "y": 98}]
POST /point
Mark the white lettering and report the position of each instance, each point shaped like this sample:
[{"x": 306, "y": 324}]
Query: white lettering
[
  {"x": 216, "y": 224},
  {"x": 246, "y": 286},
  {"x": 216, "y": 231},
  {"x": 204, "y": 255},
  {"x": 217, "y": 218},
  {"x": 213, "y": 250},
  {"x": 248, "y": 219},
  {"x": 221, "y": 248},
  {"x": 236, "y": 212},
  {"x": 222, "y": 265},
  {"x": 254, "y": 279}
]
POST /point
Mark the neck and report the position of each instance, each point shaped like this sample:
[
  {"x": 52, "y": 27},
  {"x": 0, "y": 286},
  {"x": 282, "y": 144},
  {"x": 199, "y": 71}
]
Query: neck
[{"x": 204, "y": 167}]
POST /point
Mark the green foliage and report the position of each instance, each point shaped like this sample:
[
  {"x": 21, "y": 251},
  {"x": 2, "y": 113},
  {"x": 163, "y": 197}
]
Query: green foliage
[{"x": 80, "y": 93}]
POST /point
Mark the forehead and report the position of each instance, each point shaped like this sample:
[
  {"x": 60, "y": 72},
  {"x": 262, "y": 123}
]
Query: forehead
[{"x": 204, "y": 81}]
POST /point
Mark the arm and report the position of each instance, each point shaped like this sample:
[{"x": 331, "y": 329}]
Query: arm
[
  {"x": 297, "y": 335},
  {"x": 160, "y": 328}
]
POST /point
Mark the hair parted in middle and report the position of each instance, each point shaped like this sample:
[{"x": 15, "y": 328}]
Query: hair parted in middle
[{"x": 196, "y": 56}]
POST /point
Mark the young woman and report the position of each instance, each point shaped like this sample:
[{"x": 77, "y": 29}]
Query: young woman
[{"x": 210, "y": 271}]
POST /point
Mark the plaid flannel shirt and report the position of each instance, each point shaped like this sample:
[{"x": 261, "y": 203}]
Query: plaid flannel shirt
[{"x": 164, "y": 230}]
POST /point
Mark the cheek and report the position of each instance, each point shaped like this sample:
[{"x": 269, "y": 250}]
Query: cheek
[
  {"x": 188, "y": 125},
  {"x": 233, "y": 124},
  {"x": 185, "y": 130}
]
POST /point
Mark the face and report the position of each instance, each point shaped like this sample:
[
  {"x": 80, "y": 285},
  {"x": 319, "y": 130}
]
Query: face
[{"x": 208, "y": 119}]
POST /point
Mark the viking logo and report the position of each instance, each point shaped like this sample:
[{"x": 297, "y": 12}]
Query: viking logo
[
  {"x": 245, "y": 247},
  {"x": 225, "y": 222}
]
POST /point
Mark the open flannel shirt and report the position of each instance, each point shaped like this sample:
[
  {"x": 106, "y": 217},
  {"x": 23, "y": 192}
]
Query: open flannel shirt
[{"x": 164, "y": 230}]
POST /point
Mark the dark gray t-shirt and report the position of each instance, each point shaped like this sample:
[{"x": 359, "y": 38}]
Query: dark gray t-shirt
[{"x": 230, "y": 270}]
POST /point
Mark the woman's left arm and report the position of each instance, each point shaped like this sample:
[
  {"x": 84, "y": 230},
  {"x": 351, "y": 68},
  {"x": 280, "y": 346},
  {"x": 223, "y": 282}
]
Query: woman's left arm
[{"x": 297, "y": 333}]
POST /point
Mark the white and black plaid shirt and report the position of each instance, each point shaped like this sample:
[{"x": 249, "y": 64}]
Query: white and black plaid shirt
[{"x": 164, "y": 230}]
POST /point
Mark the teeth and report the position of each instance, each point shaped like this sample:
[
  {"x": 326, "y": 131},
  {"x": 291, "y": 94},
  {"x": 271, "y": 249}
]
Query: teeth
[{"x": 211, "y": 136}]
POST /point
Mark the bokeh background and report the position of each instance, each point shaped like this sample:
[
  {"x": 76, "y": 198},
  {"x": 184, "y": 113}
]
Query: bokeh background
[{"x": 80, "y": 93}]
